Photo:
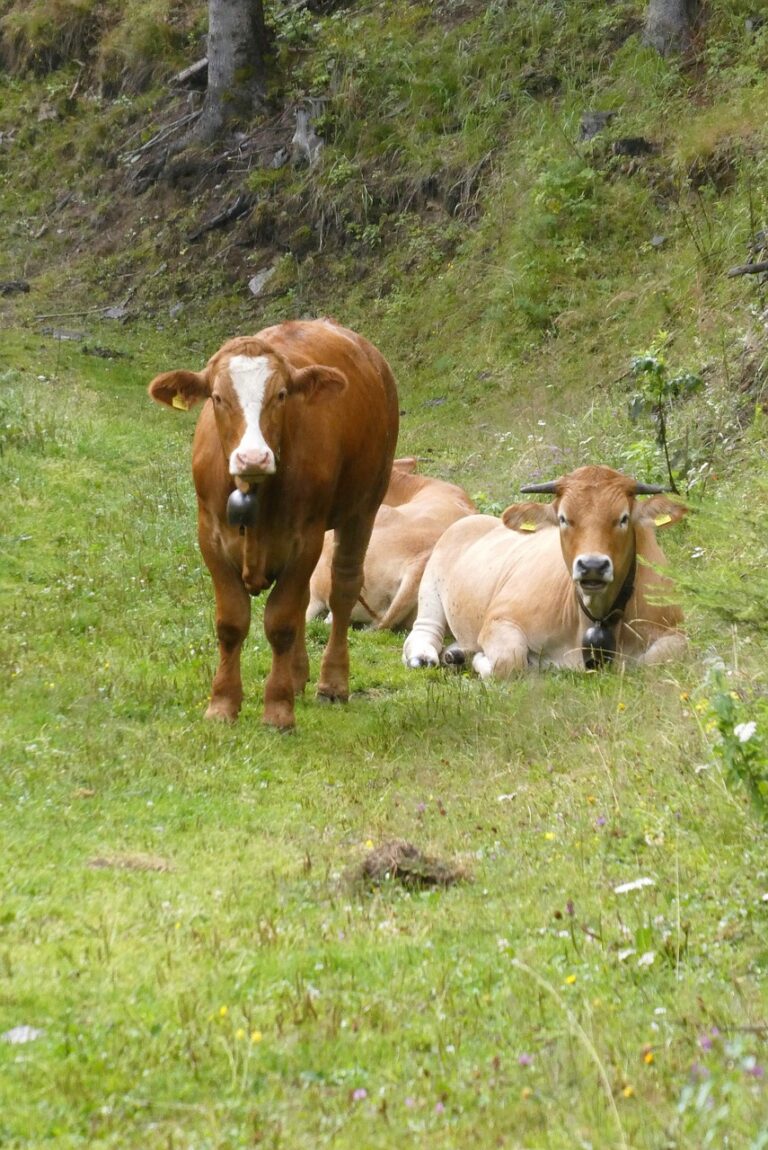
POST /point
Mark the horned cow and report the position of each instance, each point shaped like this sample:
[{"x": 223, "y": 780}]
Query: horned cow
[
  {"x": 296, "y": 436},
  {"x": 569, "y": 583}
]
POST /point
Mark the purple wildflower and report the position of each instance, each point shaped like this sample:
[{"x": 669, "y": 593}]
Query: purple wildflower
[
  {"x": 359, "y": 1094},
  {"x": 525, "y": 1060}
]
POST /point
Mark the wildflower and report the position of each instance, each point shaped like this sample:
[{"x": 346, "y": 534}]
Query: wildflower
[
  {"x": 628, "y": 1091},
  {"x": 369, "y": 844},
  {"x": 359, "y": 1094},
  {"x": 684, "y": 696},
  {"x": 600, "y": 821},
  {"x": 526, "y": 1092},
  {"x": 648, "y": 1057},
  {"x": 745, "y": 731},
  {"x": 621, "y": 707},
  {"x": 239, "y": 1033},
  {"x": 647, "y": 959},
  {"x": 223, "y": 1011},
  {"x": 570, "y": 979},
  {"x": 549, "y": 836},
  {"x": 525, "y": 1060},
  {"x": 439, "y": 1108},
  {"x": 410, "y": 1102},
  {"x": 256, "y": 1036}
]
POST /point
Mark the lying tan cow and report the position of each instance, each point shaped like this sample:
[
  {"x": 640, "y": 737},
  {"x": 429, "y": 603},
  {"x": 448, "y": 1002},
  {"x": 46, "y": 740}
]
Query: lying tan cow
[
  {"x": 569, "y": 583},
  {"x": 296, "y": 436},
  {"x": 415, "y": 513}
]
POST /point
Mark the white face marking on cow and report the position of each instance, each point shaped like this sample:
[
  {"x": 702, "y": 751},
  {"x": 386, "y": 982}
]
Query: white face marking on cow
[{"x": 250, "y": 375}]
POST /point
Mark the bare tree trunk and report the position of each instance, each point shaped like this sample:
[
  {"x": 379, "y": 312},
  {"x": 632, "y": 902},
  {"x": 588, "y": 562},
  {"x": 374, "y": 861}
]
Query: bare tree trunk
[
  {"x": 236, "y": 52},
  {"x": 669, "y": 25}
]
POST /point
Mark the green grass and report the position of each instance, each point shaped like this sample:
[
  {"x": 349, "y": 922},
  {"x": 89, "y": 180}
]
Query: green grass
[{"x": 178, "y": 919}]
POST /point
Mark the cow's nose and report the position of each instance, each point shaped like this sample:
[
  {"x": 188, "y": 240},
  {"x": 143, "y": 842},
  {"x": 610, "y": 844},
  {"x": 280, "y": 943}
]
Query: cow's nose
[
  {"x": 593, "y": 568},
  {"x": 254, "y": 460}
]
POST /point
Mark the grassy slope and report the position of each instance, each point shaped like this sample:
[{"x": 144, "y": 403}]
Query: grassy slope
[{"x": 245, "y": 993}]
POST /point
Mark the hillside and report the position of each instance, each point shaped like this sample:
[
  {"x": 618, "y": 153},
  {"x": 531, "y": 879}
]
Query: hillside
[{"x": 534, "y": 216}]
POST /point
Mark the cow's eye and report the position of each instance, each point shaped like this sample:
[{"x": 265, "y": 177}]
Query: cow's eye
[
  {"x": 216, "y": 398},
  {"x": 282, "y": 394},
  {"x": 624, "y": 519},
  {"x": 563, "y": 520}
]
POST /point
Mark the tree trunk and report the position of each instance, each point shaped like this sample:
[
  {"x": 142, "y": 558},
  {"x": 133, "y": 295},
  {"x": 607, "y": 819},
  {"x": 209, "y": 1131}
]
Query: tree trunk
[
  {"x": 669, "y": 25},
  {"x": 236, "y": 52}
]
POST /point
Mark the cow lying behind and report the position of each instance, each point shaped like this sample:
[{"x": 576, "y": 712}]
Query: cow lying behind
[
  {"x": 568, "y": 583},
  {"x": 296, "y": 436},
  {"x": 414, "y": 514}
]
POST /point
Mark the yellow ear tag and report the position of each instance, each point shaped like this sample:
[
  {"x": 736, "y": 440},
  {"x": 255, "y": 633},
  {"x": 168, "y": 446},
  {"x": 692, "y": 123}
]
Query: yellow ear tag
[
  {"x": 660, "y": 520},
  {"x": 180, "y": 402},
  {"x": 527, "y": 527}
]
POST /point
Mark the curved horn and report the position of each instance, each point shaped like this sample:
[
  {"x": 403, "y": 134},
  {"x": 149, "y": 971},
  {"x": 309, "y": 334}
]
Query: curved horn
[
  {"x": 542, "y": 488},
  {"x": 649, "y": 489}
]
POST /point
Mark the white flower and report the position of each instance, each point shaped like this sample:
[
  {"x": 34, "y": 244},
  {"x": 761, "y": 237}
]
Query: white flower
[
  {"x": 745, "y": 731},
  {"x": 647, "y": 959},
  {"x": 637, "y": 884}
]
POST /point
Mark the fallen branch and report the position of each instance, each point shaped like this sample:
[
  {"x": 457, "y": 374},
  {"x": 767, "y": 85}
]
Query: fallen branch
[
  {"x": 160, "y": 137},
  {"x": 749, "y": 269},
  {"x": 242, "y": 204}
]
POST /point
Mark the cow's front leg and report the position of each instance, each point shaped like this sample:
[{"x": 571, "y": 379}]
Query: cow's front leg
[
  {"x": 503, "y": 650},
  {"x": 233, "y": 618},
  {"x": 284, "y": 626}
]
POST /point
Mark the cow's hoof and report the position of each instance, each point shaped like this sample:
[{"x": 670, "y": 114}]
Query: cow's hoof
[
  {"x": 222, "y": 711},
  {"x": 453, "y": 656},
  {"x": 416, "y": 662},
  {"x": 280, "y": 719},
  {"x": 329, "y": 696}
]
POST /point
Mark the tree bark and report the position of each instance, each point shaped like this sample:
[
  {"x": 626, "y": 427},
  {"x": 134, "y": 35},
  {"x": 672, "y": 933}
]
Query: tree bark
[
  {"x": 237, "y": 43},
  {"x": 669, "y": 25}
]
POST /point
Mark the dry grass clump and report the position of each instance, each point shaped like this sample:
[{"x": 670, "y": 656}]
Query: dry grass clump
[
  {"x": 129, "y": 862},
  {"x": 401, "y": 861}
]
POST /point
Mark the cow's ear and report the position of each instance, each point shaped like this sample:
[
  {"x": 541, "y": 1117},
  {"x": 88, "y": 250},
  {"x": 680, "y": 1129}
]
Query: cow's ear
[
  {"x": 180, "y": 389},
  {"x": 317, "y": 382},
  {"x": 660, "y": 511},
  {"x": 529, "y": 517}
]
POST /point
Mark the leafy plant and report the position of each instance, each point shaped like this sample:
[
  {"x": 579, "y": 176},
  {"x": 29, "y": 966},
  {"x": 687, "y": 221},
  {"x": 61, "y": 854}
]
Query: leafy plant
[
  {"x": 657, "y": 393},
  {"x": 742, "y": 747}
]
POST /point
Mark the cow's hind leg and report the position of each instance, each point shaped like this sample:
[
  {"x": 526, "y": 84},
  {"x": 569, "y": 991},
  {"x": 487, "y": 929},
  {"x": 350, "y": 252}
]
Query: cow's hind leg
[{"x": 349, "y": 549}]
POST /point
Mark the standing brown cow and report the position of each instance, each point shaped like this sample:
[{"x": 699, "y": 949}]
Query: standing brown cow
[{"x": 296, "y": 436}]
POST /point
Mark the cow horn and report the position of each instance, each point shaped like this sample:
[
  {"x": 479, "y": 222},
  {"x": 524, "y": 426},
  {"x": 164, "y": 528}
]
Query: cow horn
[
  {"x": 542, "y": 488},
  {"x": 649, "y": 489}
]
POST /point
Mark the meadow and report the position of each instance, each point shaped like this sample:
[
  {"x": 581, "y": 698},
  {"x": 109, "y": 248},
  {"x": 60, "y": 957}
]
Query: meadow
[
  {"x": 189, "y": 957},
  {"x": 183, "y": 931}
]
